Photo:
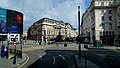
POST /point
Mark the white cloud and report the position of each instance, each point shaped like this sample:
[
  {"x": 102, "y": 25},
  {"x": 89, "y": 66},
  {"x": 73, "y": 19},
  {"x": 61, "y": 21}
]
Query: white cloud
[{"x": 33, "y": 10}]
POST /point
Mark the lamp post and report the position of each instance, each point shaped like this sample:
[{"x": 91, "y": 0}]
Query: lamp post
[{"x": 79, "y": 31}]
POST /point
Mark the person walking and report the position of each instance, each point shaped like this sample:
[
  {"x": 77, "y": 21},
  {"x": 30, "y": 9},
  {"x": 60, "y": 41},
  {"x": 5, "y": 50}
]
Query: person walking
[{"x": 78, "y": 39}]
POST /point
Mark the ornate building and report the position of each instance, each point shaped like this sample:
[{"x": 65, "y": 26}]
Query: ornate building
[
  {"x": 50, "y": 28},
  {"x": 101, "y": 21}
]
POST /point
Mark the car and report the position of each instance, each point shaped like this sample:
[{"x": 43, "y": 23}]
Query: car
[
  {"x": 69, "y": 39},
  {"x": 51, "y": 41}
]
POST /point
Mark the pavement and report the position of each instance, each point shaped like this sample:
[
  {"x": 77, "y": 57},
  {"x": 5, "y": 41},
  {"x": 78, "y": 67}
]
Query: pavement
[{"x": 8, "y": 63}]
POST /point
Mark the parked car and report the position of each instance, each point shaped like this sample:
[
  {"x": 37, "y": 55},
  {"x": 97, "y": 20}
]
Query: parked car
[
  {"x": 70, "y": 39},
  {"x": 51, "y": 41}
]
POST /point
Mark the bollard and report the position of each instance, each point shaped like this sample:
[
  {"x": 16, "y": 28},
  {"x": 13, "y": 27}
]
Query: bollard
[
  {"x": 14, "y": 60},
  {"x": 65, "y": 45},
  {"x": 86, "y": 46},
  {"x": 85, "y": 61},
  {"x": 39, "y": 43}
]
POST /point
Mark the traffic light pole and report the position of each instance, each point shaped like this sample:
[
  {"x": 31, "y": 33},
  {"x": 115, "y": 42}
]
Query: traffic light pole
[
  {"x": 79, "y": 31},
  {"x": 14, "y": 61}
]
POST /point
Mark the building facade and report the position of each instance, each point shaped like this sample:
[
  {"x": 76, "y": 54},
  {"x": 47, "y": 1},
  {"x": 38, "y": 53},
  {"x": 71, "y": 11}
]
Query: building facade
[
  {"x": 100, "y": 22},
  {"x": 50, "y": 28}
]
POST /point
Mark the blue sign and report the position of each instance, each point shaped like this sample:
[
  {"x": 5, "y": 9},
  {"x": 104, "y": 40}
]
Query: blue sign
[{"x": 3, "y": 14}]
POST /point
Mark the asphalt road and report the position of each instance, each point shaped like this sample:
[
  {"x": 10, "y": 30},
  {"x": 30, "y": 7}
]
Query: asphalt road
[
  {"x": 104, "y": 58},
  {"x": 55, "y": 59},
  {"x": 63, "y": 57}
]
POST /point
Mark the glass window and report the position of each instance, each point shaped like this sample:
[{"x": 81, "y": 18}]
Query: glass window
[
  {"x": 110, "y": 3},
  {"x": 119, "y": 23},
  {"x": 109, "y": 32},
  {"x": 106, "y": 32},
  {"x": 110, "y": 25},
  {"x": 100, "y": 33},
  {"x": 103, "y": 25},
  {"x": 118, "y": 32},
  {"x": 119, "y": 17},
  {"x": 102, "y": 11},
  {"x": 110, "y": 12},
  {"x": 102, "y": 3},
  {"x": 110, "y": 18},
  {"x": 103, "y": 32},
  {"x": 113, "y": 33},
  {"x": 102, "y": 17}
]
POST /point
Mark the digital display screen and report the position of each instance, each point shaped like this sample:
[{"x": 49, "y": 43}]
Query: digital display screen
[
  {"x": 14, "y": 22},
  {"x": 11, "y": 21},
  {"x": 3, "y": 18}
]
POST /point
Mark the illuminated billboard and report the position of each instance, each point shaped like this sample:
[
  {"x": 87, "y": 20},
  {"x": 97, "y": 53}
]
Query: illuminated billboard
[
  {"x": 14, "y": 22},
  {"x": 3, "y": 18},
  {"x": 11, "y": 21}
]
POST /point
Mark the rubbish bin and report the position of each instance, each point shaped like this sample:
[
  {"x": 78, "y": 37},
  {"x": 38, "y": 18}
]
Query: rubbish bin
[
  {"x": 85, "y": 46},
  {"x": 98, "y": 44},
  {"x": 39, "y": 43}
]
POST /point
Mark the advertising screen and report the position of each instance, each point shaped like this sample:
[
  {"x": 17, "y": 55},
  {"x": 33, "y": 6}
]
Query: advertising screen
[
  {"x": 14, "y": 22},
  {"x": 11, "y": 21},
  {"x": 3, "y": 18}
]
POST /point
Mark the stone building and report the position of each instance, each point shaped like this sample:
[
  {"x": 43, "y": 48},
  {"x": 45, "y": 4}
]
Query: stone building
[
  {"x": 50, "y": 28},
  {"x": 101, "y": 21}
]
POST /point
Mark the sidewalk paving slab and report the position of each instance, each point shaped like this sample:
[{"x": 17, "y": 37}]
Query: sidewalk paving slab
[
  {"x": 8, "y": 63},
  {"x": 81, "y": 63}
]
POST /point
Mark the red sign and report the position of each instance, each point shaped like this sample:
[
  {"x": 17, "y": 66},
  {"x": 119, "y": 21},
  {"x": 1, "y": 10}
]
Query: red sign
[{"x": 14, "y": 44}]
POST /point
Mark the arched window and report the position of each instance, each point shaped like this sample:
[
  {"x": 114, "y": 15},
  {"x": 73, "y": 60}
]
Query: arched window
[
  {"x": 102, "y": 3},
  {"x": 110, "y": 3}
]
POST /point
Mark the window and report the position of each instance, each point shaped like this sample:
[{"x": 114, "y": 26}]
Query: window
[
  {"x": 102, "y": 3},
  {"x": 102, "y": 11},
  {"x": 110, "y": 12},
  {"x": 110, "y": 25},
  {"x": 100, "y": 33},
  {"x": 113, "y": 33},
  {"x": 110, "y": 3},
  {"x": 109, "y": 32},
  {"x": 119, "y": 23},
  {"x": 102, "y": 17},
  {"x": 118, "y": 32},
  {"x": 119, "y": 17},
  {"x": 106, "y": 32},
  {"x": 103, "y": 25},
  {"x": 103, "y": 33},
  {"x": 110, "y": 18}
]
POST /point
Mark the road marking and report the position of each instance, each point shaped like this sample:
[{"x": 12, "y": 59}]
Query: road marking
[
  {"x": 62, "y": 57},
  {"x": 54, "y": 60},
  {"x": 24, "y": 62},
  {"x": 40, "y": 57}
]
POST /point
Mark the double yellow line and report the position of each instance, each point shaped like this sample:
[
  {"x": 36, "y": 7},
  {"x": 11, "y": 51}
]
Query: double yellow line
[{"x": 20, "y": 65}]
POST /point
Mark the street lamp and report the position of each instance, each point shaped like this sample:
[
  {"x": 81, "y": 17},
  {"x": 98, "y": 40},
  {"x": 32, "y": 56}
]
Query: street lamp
[{"x": 79, "y": 31}]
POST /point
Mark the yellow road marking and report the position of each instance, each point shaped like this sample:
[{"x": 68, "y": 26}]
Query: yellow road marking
[{"x": 24, "y": 62}]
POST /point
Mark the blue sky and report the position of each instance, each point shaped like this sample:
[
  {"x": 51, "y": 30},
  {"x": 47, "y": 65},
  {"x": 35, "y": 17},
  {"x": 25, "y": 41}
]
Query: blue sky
[{"x": 33, "y": 10}]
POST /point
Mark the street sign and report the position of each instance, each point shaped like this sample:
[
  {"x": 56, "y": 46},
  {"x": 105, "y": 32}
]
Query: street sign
[{"x": 14, "y": 43}]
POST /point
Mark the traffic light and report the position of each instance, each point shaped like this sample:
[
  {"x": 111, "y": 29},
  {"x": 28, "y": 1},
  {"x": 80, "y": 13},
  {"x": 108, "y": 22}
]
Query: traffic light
[{"x": 19, "y": 18}]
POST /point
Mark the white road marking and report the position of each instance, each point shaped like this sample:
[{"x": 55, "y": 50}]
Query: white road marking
[
  {"x": 62, "y": 57},
  {"x": 40, "y": 57},
  {"x": 54, "y": 60}
]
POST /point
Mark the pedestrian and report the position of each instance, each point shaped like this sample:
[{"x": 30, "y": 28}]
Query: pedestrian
[
  {"x": 78, "y": 39},
  {"x": 119, "y": 42},
  {"x": 44, "y": 38}
]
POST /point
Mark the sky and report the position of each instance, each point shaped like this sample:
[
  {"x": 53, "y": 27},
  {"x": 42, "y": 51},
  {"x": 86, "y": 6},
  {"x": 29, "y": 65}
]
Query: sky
[{"x": 33, "y": 10}]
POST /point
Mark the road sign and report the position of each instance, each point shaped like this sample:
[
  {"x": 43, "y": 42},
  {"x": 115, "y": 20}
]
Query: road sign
[{"x": 14, "y": 43}]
